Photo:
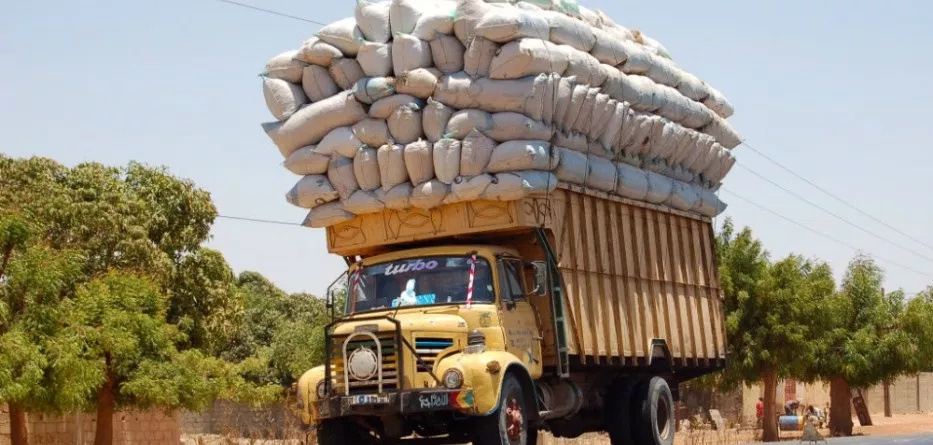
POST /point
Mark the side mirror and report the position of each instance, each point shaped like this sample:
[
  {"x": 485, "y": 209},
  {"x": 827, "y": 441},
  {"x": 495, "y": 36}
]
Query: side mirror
[
  {"x": 337, "y": 289},
  {"x": 541, "y": 284}
]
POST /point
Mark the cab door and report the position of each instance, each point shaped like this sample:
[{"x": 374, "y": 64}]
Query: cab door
[{"x": 517, "y": 315}]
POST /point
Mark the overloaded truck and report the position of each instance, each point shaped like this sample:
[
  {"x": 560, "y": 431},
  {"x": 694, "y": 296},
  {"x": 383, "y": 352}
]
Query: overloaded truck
[{"x": 487, "y": 321}]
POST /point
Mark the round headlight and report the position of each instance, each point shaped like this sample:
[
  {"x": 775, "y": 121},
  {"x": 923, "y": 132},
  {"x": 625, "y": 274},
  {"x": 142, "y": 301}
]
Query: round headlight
[
  {"x": 321, "y": 390},
  {"x": 453, "y": 378}
]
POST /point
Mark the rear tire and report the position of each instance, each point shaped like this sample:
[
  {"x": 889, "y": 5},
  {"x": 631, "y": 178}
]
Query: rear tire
[
  {"x": 654, "y": 418},
  {"x": 508, "y": 424}
]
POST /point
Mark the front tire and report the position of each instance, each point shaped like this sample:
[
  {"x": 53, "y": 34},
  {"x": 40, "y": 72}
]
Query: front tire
[
  {"x": 508, "y": 424},
  {"x": 339, "y": 431}
]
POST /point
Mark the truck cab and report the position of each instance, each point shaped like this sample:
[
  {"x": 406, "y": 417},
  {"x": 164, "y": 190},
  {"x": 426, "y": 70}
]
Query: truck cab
[{"x": 436, "y": 341}]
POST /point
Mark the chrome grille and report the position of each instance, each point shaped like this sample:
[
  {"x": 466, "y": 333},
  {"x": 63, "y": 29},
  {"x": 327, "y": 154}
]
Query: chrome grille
[{"x": 389, "y": 364}]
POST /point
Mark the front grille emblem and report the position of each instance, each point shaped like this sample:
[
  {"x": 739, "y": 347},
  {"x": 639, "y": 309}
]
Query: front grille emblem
[{"x": 363, "y": 363}]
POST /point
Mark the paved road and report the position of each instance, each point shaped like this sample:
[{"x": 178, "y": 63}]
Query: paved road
[{"x": 919, "y": 439}]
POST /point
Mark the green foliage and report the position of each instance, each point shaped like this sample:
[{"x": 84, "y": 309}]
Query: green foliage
[
  {"x": 205, "y": 301},
  {"x": 917, "y": 322}
]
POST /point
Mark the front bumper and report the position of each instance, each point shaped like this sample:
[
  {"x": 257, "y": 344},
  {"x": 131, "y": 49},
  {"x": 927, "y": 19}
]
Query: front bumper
[{"x": 394, "y": 403}]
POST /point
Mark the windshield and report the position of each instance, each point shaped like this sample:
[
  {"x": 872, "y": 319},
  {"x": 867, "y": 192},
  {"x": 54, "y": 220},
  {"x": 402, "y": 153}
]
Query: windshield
[{"x": 419, "y": 281}]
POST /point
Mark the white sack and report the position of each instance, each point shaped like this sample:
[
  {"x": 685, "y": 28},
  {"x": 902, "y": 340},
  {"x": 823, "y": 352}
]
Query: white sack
[
  {"x": 572, "y": 141},
  {"x": 436, "y": 20},
  {"x": 419, "y": 161},
  {"x": 459, "y": 91},
  {"x": 311, "y": 123},
  {"x": 517, "y": 185},
  {"x": 370, "y": 89},
  {"x": 311, "y": 191},
  {"x": 317, "y": 83},
  {"x": 341, "y": 142},
  {"x": 316, "y": 52},
  {"x": 566, "y": 30},
  {"x": 660, "y": 188},
  {"x": 551, "y": 85},
  {"x": 399, "y": 198},
  {"x": 709, "y": 204},
  {"x": 692, "y": 87},
  {"x": 383, "y": 108},
  {"x": 507, "y": 24},
  {"x": 463, "y": 122},
  {"x": 285, "y": 66},
  {"x": 392, "y": 170},
  {"x": 684, "y": 197},
  {"x": 372, "y": 132},
  {"x": 704, "y": 155},
  {"x": 366, "y": 169},
  {"x": 447, "y": 160},
  {"x": 614, "y": 126},
  {"x": 475, "y": 152},
  {"x": 408, "y": 53},
  {"x": 526, "y": 57},
  {"x": 585, "y": 117},
  {"x": 603, "y": 109},
  {"x": 434, "y": 119},
  {"x": 601, "y": 174},
  {"x": 468, "y": 15},
  {"x": 404, "y": 14},
  {"x": 717, "y": 102},
  {"x": 341, "y": 176},
  {"x": 639, "y": 60},
  {"x": 373, "y": 20},
  {"x": 375, "y": 59},
  {"x": 362, "y": 202},
  {"x": 507, "y": 126},
  {"x": 419, "y": 82},
  {"x": 447, "y": 53},
  {"x": 405, "y": 124},
  {"x": 478, "y": 57},
  {"x": 307, "y": 161},
  {"x": 724, "y": 133},
  {"x": 470, "y": 188},
  {"x": 664, "y": 72},
  {"x": 327, "y": 215},
  {"x": 632, "y": 182},
  {"x": 562, "y": 100},
  {"x": 522, "y": 155},
  {"x": 282, "y": 98},
  {"x": 429, "y": 195},
  {"x": 611, "y": 50},
  {"x": 534, "y": 102},
  {"x": 572, "y": 167},
  {"x": 574, "y": 107},
  {"x": 345, "y": 72},
  {"x": 343, "y": 35},
  {"x": 585, "y": 68}
]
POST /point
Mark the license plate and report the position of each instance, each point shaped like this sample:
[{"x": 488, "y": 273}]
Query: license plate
[
  {"x": 434, "y": 400},
  {"x": 368, "y": 399}
]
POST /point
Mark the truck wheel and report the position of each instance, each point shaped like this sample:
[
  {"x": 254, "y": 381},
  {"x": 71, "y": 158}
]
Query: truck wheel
[
  {"x": 618, "y": 412},
  {"x": 508, "y": 424},
  {"x": 338, "y": 431},
  {"x": 655, "y": 418}
]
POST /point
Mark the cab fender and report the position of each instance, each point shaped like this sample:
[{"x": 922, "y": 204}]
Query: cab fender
[
  {"x": 307, "y": 392},
  {"x": 484, "y": 373}
]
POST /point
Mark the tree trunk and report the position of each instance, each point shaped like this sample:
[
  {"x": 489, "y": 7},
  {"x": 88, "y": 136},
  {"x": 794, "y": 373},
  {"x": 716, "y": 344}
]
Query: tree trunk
[
  {"x": 769, "y": 427},
  {"x": 106, "y": 401},
  {"x": 18, "y": 433},
  {"x": 840, "y": 411}
]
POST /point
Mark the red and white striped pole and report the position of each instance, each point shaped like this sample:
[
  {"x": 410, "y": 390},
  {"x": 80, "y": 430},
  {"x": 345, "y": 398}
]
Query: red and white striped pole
[{"x": 469, "y": 299}]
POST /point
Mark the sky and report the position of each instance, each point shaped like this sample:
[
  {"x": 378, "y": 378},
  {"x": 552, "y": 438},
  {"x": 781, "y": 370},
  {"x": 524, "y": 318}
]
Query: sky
[{"x": 838, "y": 92}]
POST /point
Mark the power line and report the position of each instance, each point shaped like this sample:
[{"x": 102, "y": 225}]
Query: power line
[
  {"x": 829, "y": 237},
  {"x": 257, "y": 220},
  {"x": 269, "y": 11},
  {"x": 834, "y": 196},
  {"x": 798, "y": 196}
]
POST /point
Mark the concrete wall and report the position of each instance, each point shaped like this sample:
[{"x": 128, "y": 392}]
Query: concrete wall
[
  {"x": 905, "y": 397},
  {"x": 129, "y": 428},
  {"x": 225, "y": 418}
]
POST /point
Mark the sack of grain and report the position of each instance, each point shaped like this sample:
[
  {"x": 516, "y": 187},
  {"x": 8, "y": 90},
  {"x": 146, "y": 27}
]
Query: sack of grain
[
  {"x": 522, "y": 155},
  {"x": 405, "y": 124},
  {"x": 340, "y": 142},
  {"x": 601, "y": 174},
  {"x": 282, "y": 98},
  {"x": 373, "y": 20},
  {"x": 470, "y": 188},
  {"x": 660, "y": 188},
  {"x": 366, "y": 169},
  {"x": 572, "y": 141},
  {"x": 434, "y": 119},
  {"x": 512, "y": 186},
  {"x": 478, "y": 57},
  {"x": 527, "y": 57},
  {"x": 447, "y": 53},
  {"x": 463, "y": 122},
  {"x": 398, "y": 198},
  {"x": 684, "y": 197},
  {"x": 370, "y": 89},
  {"x": 317, "y": 52},
  {"x": 309, "y": 124},
  {"x": 343, "y": 35},
  {"x": 372, "y": 132},
  {"x": 508, "y": 126},
  {"x": 566, "y": 30},
  {"x": 362, "y": 202},
  {"x": 392, "y": 171},
  {"x": 383, "y": 108},
  {"x": 410, "y": 52},
  {"x": 307, "y": 161},
  {"x": 447, "y": 160},
  {"x": 341, "y": 176},
  {"x": 375, "y": 59},
  {"x": 429, "y": 195},
  {"x": 285, "y": 66},
  {"x": 631, "y": 182},
  {"x": 419, "y": 82},
  {"x": 475, "y": 152},
  {"x": 436, "y": 20},
  {"x": 345, "y": 72},
  {"x": 419, "y": 161},
  {"x": 327, "y": 215},
  {"x": 317, "y": 83},
  {"x": 311, "y": 191},
  {"x": 572, "y": 167},
  {"x": 507, "y": 24}
]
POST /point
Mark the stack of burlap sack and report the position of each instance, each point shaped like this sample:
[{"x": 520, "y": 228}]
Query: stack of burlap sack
[{"x": 419, "y": 103}]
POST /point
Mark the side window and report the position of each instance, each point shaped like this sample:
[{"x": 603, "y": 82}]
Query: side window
[{"x": 512, "y": 280}]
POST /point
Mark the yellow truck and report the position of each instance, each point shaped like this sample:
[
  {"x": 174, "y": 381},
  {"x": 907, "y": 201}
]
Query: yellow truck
[{"x": 488, "y": 321}]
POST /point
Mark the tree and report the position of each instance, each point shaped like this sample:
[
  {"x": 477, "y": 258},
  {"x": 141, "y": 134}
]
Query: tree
[
  {"x": 917, "y": 322},
  {"x": 770, "y": 311},
  {"x": 129, "y": 351},
  {"x": 205, "y": 301},
  {"x": 863, "y": 344}
]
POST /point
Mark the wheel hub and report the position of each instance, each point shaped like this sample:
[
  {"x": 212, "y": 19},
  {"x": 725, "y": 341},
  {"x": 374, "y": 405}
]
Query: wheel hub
[{"x": 514, "y": 419}]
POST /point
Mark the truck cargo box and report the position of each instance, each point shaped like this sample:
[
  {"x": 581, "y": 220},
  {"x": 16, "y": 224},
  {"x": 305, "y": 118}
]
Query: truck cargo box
[{"x": 634, "y": 274}]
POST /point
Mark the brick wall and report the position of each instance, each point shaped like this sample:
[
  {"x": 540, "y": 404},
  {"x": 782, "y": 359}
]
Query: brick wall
[
  {"x": 129, "y": 428},
  {"x": 226, "y": 418},
  {"x": 905, "y": 398}
]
